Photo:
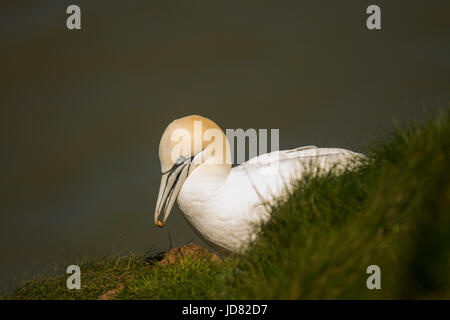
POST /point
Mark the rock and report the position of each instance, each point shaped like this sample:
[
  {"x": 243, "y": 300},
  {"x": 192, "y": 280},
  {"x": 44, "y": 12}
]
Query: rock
[{"x": 192, "y": 250}]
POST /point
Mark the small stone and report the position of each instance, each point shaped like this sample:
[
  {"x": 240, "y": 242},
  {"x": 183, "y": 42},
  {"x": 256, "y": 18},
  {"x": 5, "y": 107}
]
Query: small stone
[{"x": 192, "y": 250}]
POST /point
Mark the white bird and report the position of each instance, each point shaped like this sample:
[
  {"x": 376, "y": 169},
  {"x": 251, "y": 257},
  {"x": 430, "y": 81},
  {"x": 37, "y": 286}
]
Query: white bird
[{"x": 225, "y": 204}]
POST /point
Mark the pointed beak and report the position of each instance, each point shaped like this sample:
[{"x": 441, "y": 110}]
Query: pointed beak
[{"x": 171, "y": 183}]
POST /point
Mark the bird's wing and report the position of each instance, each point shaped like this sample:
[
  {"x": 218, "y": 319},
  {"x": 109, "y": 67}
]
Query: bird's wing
[{"x": 272, "y": 175}]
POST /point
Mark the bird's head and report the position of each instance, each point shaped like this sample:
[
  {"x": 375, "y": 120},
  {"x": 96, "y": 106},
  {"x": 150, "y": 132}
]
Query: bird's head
[{"x": 187, "y": 144}]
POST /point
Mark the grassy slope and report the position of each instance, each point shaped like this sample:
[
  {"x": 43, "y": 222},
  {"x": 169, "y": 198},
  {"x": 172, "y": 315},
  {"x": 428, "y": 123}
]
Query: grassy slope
[{"x": 394, "y": 212}]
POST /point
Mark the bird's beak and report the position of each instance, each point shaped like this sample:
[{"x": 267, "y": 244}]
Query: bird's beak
[{"x": 171, "y": 183}]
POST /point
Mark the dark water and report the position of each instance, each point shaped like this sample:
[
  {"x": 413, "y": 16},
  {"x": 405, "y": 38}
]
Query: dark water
[{"x": 82, "y": 112}]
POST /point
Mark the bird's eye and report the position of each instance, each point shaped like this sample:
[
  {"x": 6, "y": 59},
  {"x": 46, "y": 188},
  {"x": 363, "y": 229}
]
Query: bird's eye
[{"x": 180, "y": 160}]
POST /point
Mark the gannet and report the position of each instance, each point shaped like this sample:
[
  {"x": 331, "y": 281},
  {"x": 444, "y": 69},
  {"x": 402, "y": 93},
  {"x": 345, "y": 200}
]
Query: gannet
[{"x": 225, "y": 204}]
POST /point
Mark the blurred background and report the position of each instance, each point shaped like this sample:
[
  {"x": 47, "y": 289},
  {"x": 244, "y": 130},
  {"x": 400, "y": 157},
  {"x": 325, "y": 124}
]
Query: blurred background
[{"x": 82, "y": 111}]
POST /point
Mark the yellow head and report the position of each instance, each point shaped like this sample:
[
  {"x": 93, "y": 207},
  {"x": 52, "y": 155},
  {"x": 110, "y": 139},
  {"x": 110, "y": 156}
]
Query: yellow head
[{"x": 187, "y": 144}]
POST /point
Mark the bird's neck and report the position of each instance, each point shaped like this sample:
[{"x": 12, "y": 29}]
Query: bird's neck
[
  {"x": 202, "y": 186},
  {"x": 200, "y": 194}
]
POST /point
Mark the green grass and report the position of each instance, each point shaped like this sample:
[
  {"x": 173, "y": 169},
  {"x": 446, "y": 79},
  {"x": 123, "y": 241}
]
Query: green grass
[{"x": 393, "y": 212}]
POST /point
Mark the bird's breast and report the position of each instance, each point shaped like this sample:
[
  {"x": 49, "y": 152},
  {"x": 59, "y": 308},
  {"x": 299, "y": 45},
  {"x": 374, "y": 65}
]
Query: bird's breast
[{"x": 223, "y": 214}]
